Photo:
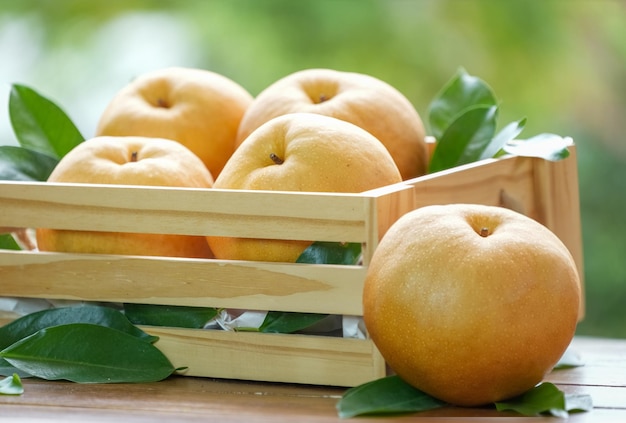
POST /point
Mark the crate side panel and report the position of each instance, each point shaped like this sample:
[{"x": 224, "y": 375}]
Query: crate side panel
[
  {"x": 270, "y": 357},
  {"x": 273, "y": 215},
  {"x": 208, "y": 283},
  {"x": 389, "y": 208},
  {"x": 241, "y": 202},
  {"x": 506, "y": 182},
  {"x": 387, "y": 205},
  {"x": 557, "y": 195}
]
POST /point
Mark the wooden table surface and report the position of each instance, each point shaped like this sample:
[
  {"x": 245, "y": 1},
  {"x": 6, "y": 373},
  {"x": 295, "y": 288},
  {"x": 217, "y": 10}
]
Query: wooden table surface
[{"x": 187, "y": 399}]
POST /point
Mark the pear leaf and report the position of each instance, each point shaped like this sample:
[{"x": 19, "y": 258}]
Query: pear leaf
[
  {"x": 545, "y": 146},
  {"x": 23, "y": 164},
  {"x": 388, "y": 395},
  {"x": 465, "y": 140},
  {"x": 507, "y": 134},
  {"x": 11, "y": 385},
  {"x": 88, "y": 353},
  {"x": 7, "y": 369},
  {"x": 7, "y": 242},
  {"x": 461, "y": 93},
  {"x": 97, "y": 315},
  {"x": 172, "y": 316},
  {"x": 569, "y": 360},
  {"x": 289, "y": 322},
  {"x": 546, "y": 398},
  {"x": 575, "y": 403},
  {"x": 331, "y": 253},
  {"x": 39, "y": 124}
]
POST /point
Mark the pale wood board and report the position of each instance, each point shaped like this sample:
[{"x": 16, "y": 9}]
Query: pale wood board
[
  {"x": 306, "y": 359},
  {"x": 255, "y": 214},
  {"x": 333, "y": 289}
]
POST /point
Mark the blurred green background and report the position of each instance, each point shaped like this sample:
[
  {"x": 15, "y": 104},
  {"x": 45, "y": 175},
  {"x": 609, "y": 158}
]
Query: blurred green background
[{"x": 560, "y": 63}]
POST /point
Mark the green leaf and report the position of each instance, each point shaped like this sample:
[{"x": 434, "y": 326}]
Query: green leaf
[
  {"x": 7, "y": 242},
  {"x": 22, "y": 164},
  {"x": 7, "y": 369},
  {"x": 172, "y": 316},
  {"x": 578, "y": 403},
  {"x": 545, "y": 146},
  {"x": 11, "y": 385},
  {"x": 389, "y": 395},
  {"x": 569, "y": 360},
  {"x": 286, "y": 322},
  {"x": 88, "y": 353},
  {"x": 507, "y": 134},
  {"x": 543, "y": 398},
  {"x": 39, "y": 124},
  {"x": 331, "y": 253},
  {"x": 465, "y": 140},
  {"x": 33, "y": 322},
  {"x": 458, "y": 95}
]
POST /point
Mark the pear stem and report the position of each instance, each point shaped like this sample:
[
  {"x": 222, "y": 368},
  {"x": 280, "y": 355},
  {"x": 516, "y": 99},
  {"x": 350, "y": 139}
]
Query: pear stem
[
  {"x": 276, "y": 159},
  {"x": 133, "y": 156},
  {"x": 484, "y": 232}
]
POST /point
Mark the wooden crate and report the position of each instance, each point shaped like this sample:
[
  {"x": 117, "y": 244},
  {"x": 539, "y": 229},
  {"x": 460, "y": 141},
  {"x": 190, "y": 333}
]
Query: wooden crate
[{"x": 546, "y": 191}]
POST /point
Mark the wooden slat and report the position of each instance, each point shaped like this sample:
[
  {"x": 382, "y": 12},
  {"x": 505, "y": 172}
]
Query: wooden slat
[
  {"x": 209, "y": 283},
  {"x": 277, "y": 215},
  {"x": 302, "y": 359},
  {"x": 505, "y": 182}
]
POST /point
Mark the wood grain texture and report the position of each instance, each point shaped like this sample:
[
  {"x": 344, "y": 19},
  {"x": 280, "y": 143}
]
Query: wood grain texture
[
  {"x": 186, "y": 211},
  {"x": 387, "y": 204},
  {"x": 189, "y": 399},
  {"x": 558, "y": 204},
  {"x": 332, "y": 289},
  {"x": 305, "y": 359}
]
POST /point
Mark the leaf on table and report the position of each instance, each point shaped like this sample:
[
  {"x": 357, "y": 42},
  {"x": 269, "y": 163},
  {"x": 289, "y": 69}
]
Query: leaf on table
[
  {"x": 97, "y": 315},
  {"x": 545, "y": 146},
  {"x": 7, "y": 369},
  {"x": 11, "y": 385},
  {"x": 88, "y": 353},
  {"x": 577, "y": 403},
  {"x": 171, "y": 316},
  {"x": 39, "y": 124},
  {"x": 465, "y": 140},
  {"x": 7, "y": 242},
  {"x": 545, "y": 398},
  {"x": 23, "y": 164},
  {"x": 568, "y": 360},
  {"x": 331, "y": 253},
  {"x": 461, "y": 93},
  {"x": 388, "y": 395}
]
